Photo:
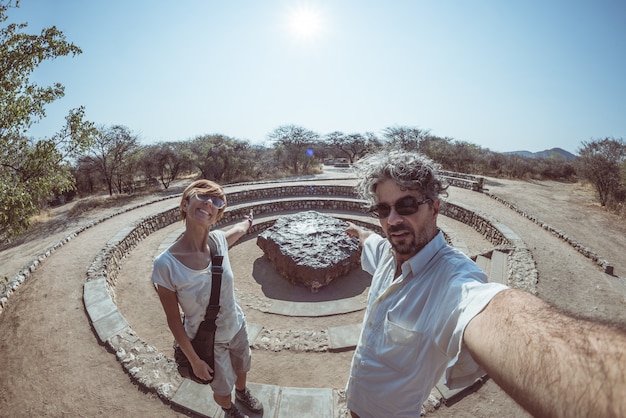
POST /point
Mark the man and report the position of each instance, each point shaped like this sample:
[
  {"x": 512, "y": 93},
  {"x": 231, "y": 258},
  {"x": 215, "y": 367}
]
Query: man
[{"x": 430, "y": 312}]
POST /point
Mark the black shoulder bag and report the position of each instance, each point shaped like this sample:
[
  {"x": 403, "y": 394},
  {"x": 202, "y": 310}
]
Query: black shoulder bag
[{"x": 204, "y": 341}]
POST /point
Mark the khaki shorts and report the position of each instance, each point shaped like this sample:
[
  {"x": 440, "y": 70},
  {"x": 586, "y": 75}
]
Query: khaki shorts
[{"x": 231, "y": 358}]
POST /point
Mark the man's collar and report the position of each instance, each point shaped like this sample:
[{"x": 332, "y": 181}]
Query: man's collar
[{"x": 419, "y": 260}]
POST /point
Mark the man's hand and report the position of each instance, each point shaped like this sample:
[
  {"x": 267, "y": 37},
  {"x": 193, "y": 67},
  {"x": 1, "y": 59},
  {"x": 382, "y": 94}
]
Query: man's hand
[{"x": 356, "y": 231}]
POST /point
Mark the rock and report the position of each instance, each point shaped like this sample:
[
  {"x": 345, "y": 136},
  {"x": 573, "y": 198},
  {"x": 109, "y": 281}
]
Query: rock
[{"x": 310, "y": 248}]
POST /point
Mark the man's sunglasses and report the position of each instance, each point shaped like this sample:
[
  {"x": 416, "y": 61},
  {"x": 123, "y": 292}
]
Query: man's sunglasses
[
  {"x": 407, "y": 205},
  {"x": 215, "y": 201}
]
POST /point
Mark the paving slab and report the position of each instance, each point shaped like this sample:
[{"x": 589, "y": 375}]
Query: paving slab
[
  {"x": 277, "y": 401},
  {"x": 110, "y": 325},
  {"x": 196, "y": 398},
  {"x": 100, "y": 309},
  {"x": 95, "y": 291},
  {"x": 253, "y": 332},
  {"x": 306, "y": 403},
  {"x": 447, "y": 393},
  {"x": 345, "y": 336},
  {"x": 269, "y": 395},
  {"x": 484, "y": 263},
  {"x": 498, "y": 273}
]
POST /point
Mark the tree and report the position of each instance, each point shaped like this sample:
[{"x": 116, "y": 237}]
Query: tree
[
  {"x": 351, "y": 146},
  {"x": 292, "y": 145},
  {"x": 128, "y": 170},
  {"x": 438, "y": 149},
  {"x": 221, "y": 158},
  {"x": 32, "y": 171},
  {"x": 464, "y": 156},
  {"x": 87, "y": 175},
  {"x": 405, "y": 137},
  {"x": 165, "y": 161},
  {"x": 600, "y": 162},
  {"x": 112, "y": 153}
]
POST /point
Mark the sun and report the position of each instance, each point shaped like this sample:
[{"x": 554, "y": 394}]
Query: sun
[{"x": 305, "y": 22}]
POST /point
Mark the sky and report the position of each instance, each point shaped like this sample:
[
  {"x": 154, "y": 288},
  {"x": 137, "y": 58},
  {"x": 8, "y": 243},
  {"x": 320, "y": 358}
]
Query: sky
[{"x": 505, "y": 75}]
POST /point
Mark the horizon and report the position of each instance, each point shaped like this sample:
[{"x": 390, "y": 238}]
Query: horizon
[{"x": 506, "y": 77}]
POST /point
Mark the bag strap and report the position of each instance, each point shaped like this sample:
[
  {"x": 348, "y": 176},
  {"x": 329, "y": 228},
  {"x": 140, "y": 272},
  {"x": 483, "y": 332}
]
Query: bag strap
[{"x": 216, "y": 282}]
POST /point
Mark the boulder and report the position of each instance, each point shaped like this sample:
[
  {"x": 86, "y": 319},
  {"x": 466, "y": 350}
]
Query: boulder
[{"x": 310, "y": 248}]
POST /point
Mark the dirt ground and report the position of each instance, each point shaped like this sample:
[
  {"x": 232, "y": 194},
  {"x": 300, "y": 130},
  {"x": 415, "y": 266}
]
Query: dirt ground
[{"x": 52, "y": 364}]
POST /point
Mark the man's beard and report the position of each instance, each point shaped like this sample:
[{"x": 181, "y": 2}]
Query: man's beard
[{"x": 410, "y": 245}]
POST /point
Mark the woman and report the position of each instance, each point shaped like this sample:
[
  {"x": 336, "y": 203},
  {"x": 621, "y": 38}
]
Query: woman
[{"x": 182, "y": 274}]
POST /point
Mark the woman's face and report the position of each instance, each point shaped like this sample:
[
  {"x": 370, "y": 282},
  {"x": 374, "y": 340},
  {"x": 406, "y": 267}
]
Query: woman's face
[{"x": 202, "y": 208}]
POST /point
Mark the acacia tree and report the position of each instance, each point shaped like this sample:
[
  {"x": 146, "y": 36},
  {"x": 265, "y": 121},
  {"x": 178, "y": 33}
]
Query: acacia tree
[
  {"x": 353, "y": 146},
  {"x": 601, "y": 162},
  {"x": 112, "y": 154},
  {"x": 221, "y": 158},
  {"x": 87, "y": 176},
  {"x": 405, "y": 137},
  {"x": 165, "y": 161},
  {"x": 291, "y": 144},
  {"x": 32, "y": 170}
]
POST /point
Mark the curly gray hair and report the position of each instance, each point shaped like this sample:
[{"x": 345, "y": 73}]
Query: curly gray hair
[{"x": 411, "y": 170}]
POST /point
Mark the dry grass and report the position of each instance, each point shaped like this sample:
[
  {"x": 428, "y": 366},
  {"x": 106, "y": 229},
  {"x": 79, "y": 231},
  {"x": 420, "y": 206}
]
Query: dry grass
[
  {"x": 43, "y": 216},
  {"x": 99, "y": 202}
]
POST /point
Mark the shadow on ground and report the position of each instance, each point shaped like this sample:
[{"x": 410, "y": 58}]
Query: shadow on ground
[{"x": 274, "y": 286}]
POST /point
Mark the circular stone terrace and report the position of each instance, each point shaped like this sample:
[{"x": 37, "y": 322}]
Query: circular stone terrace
[{"x": 329, "y": 319}]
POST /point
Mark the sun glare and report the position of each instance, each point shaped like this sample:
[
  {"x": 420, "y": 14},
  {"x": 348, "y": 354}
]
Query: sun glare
[{"x": 305, "y": 22}]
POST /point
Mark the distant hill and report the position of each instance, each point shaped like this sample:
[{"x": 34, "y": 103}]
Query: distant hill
[{"x": 549, "y": 153}]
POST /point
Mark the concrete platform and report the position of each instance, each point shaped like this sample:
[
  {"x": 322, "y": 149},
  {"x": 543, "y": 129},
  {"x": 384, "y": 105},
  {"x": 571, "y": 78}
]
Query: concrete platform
[{"x": 344, "y": 337}]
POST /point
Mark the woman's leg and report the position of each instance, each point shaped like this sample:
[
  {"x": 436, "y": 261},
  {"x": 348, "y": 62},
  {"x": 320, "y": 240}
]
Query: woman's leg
[{"x": 241, "y": 381}]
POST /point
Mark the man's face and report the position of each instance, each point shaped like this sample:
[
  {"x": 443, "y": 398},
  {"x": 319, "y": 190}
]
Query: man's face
[{"x": 408, "y": 234}]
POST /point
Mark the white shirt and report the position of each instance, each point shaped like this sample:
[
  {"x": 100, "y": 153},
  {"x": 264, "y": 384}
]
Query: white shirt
[
  {"x": 413, "y": 327},
  {"x": 193, "y": 289}
]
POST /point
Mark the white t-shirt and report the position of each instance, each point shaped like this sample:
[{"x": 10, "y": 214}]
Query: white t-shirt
[
  {"x": 413, "y": 327},
  {"x": 193, "y": 289}
]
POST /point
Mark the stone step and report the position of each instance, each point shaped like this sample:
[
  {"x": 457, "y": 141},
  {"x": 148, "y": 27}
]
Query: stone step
[
  {"x": 278, "y": 402},
  {"x": 484, "y": 263},
  {"x": 344, "y": 337},
  {"x": 498, "y": 269}
]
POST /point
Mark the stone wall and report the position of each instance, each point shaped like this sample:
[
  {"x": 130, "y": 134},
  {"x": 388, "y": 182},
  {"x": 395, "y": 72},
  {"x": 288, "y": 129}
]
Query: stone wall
[
  {"x": 109, "y": 260},
  {"x": 113, "y": 254},
  {"x": 269, "y": 193},
  {"x": 482, "y": 225},
  {"x": 267, "y": 200},
  {"x": 464, "y": 181}
]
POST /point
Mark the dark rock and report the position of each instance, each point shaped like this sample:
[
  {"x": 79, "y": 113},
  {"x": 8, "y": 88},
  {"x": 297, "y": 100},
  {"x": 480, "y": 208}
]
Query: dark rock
[{"x": 310, "y": 248}]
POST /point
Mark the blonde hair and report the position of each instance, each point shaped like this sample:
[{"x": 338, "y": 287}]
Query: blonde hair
[{"x": 202, "y": 187}]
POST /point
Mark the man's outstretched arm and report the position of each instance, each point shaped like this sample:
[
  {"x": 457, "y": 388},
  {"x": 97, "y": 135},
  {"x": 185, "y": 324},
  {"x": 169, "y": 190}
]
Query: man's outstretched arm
[
  {"x": 358, "y": 232},
  {"x": 550, "y": 363}
]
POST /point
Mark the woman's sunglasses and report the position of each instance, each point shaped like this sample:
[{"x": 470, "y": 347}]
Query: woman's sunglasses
[
  {"x": 215, "y": 201},
  {"x": 407, "y": 205}
]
